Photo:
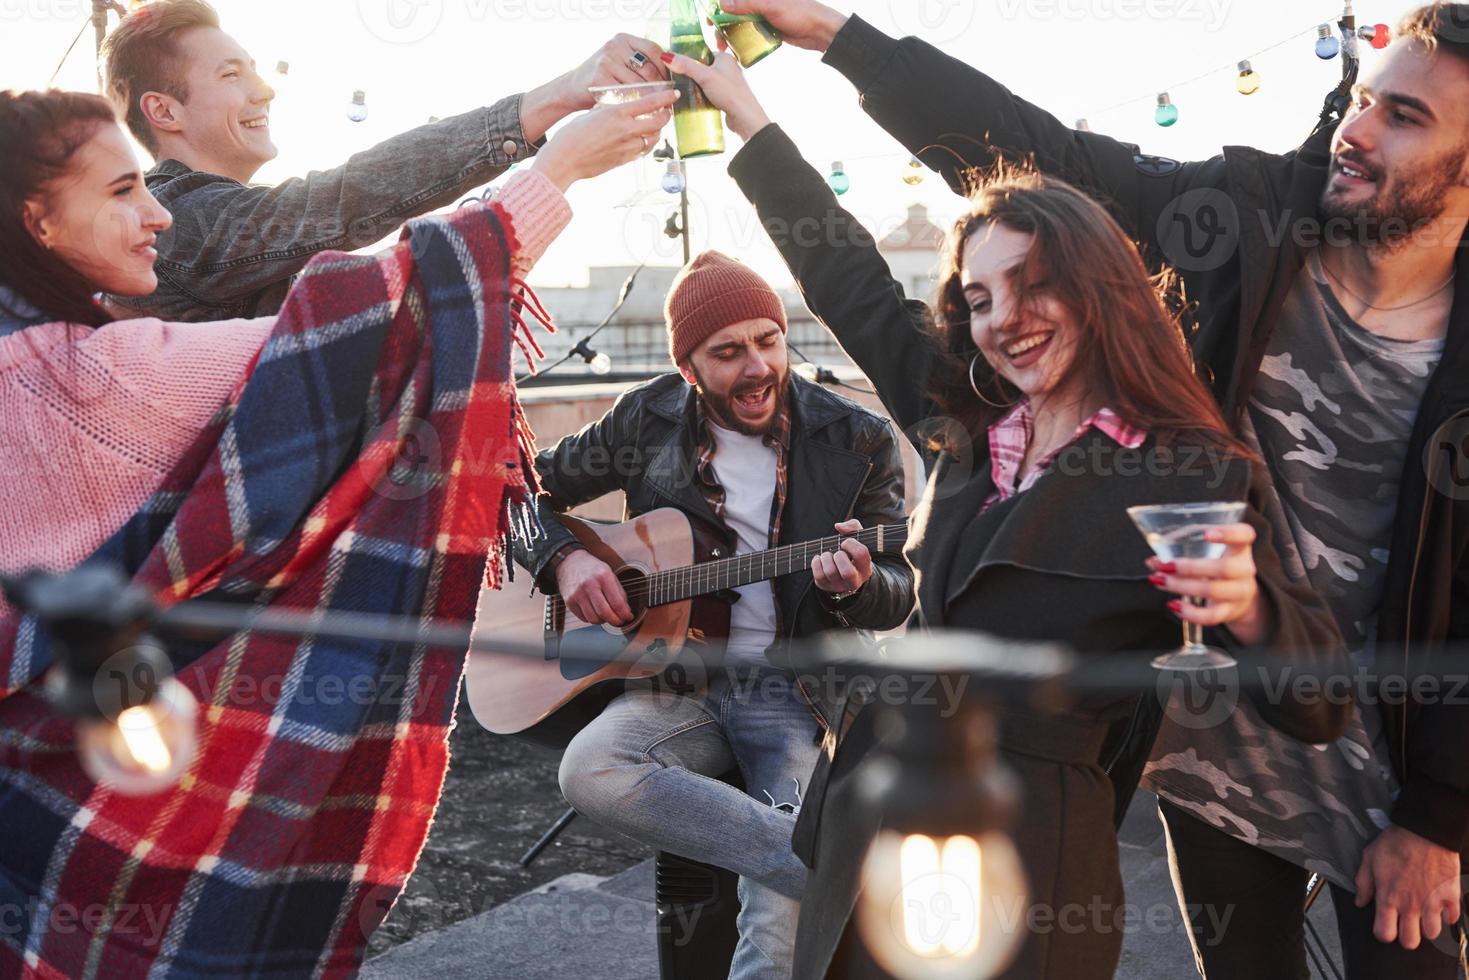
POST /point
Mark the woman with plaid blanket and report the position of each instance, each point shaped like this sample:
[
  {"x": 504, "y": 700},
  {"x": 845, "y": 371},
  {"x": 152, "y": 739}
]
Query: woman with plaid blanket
[{"x": 262, "y": 461}]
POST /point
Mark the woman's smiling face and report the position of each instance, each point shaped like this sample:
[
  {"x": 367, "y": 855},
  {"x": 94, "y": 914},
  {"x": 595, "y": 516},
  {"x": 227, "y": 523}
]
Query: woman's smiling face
[
  {"x": 1029, "y": 341},
  {"x": 100, "y": 218}
]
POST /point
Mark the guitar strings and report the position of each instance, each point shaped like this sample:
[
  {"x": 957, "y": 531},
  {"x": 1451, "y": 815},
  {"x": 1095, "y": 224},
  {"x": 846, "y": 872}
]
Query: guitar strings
[
  {"x": 687, "y": 574},
  {"x": 675, "y": 579}
]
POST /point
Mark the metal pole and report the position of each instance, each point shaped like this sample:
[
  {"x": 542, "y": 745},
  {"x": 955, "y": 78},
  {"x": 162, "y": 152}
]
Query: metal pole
[
  {"x": 683, "y": 205},
  {"x": 546, "y": 838},
  {"x": 99, "y": 28}
]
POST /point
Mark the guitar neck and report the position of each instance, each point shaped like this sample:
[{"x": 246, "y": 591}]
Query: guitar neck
[{"x": 677, "y": 584}]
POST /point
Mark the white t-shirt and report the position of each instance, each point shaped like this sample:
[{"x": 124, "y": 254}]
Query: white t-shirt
[{"x": 745, "y": 468}]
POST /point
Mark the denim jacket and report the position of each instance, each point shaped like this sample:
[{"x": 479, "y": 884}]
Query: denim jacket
[
  {"x": 235, "y": 248},
  {"x": 16, "y": 312}
]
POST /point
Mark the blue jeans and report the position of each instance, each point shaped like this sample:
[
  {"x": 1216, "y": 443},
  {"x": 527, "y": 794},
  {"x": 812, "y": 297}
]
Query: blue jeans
[{"x": 648, "y": 767}]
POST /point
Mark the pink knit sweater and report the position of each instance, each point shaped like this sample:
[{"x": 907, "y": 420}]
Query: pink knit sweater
[{"x": 92, "y": 420}]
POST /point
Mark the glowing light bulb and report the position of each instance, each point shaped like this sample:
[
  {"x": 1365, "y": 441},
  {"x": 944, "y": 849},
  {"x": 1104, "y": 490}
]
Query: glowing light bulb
[
  {"x": 915, "y": 172},
  {"x": 280, "y": 78},
  {"x": 935, "y": 906},
  {"x": 148, "y": 747},
  {"x": 838, "y": 180},
  {"x": 1327, "y": 46},
  {"x": 808, "y": 371},
  {"x": 673, "y": 179},
  {"x": 357, "y": 108},
  {"x": 1248, "y": 82},
  {"x": 1381, "y": 36},
  {"x": 1167, "y": 113},
  {"x": 600, "y": 364}
]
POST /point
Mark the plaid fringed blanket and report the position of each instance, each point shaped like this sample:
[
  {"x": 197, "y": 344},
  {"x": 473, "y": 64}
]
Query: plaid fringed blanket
[{"x": 372, "y": 460}]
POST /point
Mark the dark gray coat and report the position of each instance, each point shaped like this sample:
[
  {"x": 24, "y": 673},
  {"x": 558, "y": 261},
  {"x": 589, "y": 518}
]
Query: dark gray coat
[{"x": 1060, "y": 563}]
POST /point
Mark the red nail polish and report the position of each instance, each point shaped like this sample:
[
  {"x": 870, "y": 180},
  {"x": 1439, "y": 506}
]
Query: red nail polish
[
  {"x": 667, "y": 57},
  {"x": 1175, "y": 606},
  {"x": 1168, "y": 568},
  {"x": 1159, "y": 580}
]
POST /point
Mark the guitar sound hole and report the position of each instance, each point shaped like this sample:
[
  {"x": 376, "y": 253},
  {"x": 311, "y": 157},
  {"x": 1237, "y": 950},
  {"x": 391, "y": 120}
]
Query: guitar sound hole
[{"x": 635, "y": 584}]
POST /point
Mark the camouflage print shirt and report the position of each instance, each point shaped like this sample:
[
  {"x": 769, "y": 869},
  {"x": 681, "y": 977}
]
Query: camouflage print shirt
[{"x": 1332, "y": 413}]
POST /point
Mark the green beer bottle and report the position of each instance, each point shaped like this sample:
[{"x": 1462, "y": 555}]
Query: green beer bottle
[
  {"x": 749, "y": 36},
  {"x": 698, "y": 125}
]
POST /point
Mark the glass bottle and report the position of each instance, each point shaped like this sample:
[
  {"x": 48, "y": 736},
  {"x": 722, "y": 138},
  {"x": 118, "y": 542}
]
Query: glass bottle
[
  {"x": 697, "y": 123},
  {"x": 749, "y": 36}
]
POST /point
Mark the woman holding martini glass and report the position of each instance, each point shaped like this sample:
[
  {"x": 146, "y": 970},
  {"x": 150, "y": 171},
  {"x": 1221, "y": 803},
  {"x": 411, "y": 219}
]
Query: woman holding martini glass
[{"x": 1054, "y": 390}]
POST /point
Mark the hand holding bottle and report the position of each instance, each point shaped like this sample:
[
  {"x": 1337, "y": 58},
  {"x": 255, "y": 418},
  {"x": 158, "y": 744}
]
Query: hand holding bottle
[
  {"x": 606, "y": 137},
  {"x": 725, "y": 86},
  {"x": 804, "y": 23}
]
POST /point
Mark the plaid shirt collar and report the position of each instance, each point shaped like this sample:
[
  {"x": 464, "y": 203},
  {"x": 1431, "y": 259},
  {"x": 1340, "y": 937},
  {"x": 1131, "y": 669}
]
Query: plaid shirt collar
[
  {"x": 778, "y": 438},
  {"x": 1010, "y": 438}
]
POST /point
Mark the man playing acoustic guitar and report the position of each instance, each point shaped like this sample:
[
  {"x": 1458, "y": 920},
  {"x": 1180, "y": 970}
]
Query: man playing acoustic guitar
[{"x": 755, "y": 457}]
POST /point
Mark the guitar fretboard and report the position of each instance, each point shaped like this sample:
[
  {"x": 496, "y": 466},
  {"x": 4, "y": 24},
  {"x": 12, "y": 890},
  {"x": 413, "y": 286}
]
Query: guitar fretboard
[{"x": 678, "y": 584}]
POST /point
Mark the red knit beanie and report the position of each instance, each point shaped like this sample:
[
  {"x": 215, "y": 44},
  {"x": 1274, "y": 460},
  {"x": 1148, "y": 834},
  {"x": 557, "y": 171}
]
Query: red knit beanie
[{"x": 712, "y": 292}]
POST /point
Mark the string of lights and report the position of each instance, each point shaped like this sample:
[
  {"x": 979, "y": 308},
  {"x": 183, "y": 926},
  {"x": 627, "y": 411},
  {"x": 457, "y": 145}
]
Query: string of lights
[
  {"x": 69, "y": 49},
  {"x": 817, "y": 374},
  {"x": 599, "y": 363},
  {"x": 912, "y": 170}
]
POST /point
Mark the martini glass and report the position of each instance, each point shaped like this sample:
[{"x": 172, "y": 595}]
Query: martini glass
[{"x": 1177, "y": 531}]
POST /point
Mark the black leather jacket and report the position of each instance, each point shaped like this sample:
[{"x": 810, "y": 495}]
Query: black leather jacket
[{"x": 843, "y": 464}]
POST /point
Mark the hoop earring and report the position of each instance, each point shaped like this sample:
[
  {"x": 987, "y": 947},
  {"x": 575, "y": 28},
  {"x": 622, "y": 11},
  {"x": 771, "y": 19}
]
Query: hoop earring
[{"x": 975, "y": 385}]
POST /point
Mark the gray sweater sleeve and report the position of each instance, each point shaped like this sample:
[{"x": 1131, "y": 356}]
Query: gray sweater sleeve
[{"x": 234, "y": 248}]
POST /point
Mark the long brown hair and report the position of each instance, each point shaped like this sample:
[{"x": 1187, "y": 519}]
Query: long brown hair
[
  {"x": 1130, "y": 351},
  {"x": 41, "y": 131}
]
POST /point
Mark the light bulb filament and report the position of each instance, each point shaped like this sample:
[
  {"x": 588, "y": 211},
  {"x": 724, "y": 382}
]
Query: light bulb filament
[
  {"x": 941, "y": 895},
  {"x": 139, "y": 730}
]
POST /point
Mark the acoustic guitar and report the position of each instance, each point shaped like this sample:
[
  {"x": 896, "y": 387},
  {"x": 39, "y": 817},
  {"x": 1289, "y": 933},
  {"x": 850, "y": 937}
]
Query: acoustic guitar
[{"x": 678, "y": 587}]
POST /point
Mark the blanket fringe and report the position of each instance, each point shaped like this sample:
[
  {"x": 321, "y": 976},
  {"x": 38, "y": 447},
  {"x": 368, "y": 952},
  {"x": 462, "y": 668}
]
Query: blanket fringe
[
  {"x": 519, "y": 521},
  {"x": 526, "y": 301}
]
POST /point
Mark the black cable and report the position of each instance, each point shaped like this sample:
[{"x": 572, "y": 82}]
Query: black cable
[
  {"x": 797, "y": 351},
  {"x": 52, "y": 598},
  {"x": 826, "y": 376},
  {"x": 69, "y": 49},
  {"x": 621, "y": 301}
]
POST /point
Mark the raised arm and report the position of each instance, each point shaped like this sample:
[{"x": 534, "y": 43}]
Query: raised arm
[
  {"x": 843, "y": 278},
  {"x": 234, "y": 246},
  {"x": 954, "y": 117}
]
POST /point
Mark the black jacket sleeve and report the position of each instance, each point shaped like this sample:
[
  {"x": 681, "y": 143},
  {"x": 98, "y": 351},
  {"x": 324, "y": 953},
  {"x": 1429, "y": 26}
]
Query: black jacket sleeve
[
  {"x": 577, "y": 470},
  {"x": 887, "y": 598},
  {"x": 956, "y": 118},
  {"x": 1434, "y": 802},
  {"x": 844, "y": 280}
]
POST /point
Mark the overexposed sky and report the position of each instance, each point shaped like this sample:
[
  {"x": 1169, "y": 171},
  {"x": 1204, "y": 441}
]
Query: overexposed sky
[{"x": 420, "y": 58}]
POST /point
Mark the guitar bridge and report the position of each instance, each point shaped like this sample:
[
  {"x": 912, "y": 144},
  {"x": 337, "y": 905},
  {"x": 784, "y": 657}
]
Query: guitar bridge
[{"x": 553, "y": 624}]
